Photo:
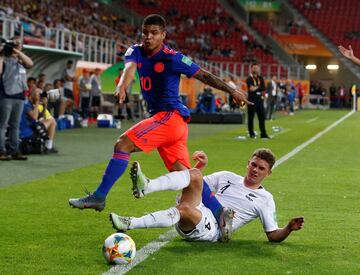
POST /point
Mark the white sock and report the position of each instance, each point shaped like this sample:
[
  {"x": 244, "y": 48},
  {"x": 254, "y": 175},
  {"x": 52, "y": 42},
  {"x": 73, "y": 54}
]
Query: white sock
[
  {"x": 172, "y": 181},
  {"x": 163, "y": 218},
  {"x": 49, "y": 144}
]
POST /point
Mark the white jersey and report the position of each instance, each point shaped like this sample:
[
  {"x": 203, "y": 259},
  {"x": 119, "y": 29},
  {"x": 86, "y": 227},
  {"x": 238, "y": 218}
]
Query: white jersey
[{"x": 247, "y": 203}]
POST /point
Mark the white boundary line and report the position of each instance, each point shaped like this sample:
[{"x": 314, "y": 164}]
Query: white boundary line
[
  {"x": 312, "y": 119},
  {"x": 163, "y": 239},
  {"x": 314, "y": 138}
]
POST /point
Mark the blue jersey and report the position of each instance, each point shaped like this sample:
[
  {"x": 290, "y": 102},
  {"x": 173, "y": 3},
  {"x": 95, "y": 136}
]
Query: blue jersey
[{"x": 160, "y": 77}]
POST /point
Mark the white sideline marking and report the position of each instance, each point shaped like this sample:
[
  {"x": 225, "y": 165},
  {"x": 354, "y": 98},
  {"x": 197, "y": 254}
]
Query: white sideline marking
[
  {"x": 163, "y": 239},
  {"x": 306, "y": 143},
  {"x": 145, "y": 252},
  {"x": 312, "y": 119}
]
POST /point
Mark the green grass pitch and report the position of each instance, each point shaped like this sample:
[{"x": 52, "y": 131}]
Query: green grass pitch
[{"x": 41, "y": 234}]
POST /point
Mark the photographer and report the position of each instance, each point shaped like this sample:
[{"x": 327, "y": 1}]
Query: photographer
[
  {"x": 36, "y": 119},
  {"x": 13, "y": 84}
]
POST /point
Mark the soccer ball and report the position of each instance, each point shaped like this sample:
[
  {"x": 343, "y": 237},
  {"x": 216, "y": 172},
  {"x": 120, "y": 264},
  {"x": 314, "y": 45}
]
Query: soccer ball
[{"x": 119, "y": 248}]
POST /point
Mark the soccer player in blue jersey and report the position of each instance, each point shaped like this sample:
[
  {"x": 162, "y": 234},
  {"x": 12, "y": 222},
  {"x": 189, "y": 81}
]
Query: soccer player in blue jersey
[{"x": 159, "y": 68}]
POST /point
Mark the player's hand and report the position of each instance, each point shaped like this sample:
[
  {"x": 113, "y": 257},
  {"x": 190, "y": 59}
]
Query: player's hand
[
  {"x": 241, "y": 98},
  {"x": 201, "y": 158},
  {"x": 348, "y": 53},
  {"x": 120, "y": 93},
  {"x": 296, "y": 223}
]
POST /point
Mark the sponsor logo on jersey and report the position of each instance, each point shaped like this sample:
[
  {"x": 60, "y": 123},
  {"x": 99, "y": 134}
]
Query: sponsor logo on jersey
[
  {"x": 250, "y": 196},
  {"x": 129, "y": 51},
  {"x": 186, "y": 60}
]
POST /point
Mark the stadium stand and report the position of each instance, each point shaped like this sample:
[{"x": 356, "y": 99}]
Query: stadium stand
[
  {"x": 341, "y": 29},
  {"x": 199, "y": 28}
]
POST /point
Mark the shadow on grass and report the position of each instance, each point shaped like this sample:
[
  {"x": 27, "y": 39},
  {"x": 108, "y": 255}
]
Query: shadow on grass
[{"x": 244, "y": 248}]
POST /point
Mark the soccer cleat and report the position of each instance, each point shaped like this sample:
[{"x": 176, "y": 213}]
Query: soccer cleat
[
  {"x": 226, "y": 218},
  {"x": 119, "y": 223},
  {"x": 138, "y": 179},
  {"x": 89, "y": 201}
]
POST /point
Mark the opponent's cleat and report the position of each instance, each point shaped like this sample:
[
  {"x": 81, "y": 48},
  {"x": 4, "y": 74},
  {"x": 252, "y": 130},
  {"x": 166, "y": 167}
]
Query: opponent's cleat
[
  {"x": 226, "y": 218},
  {"x": 119, "y": 223},
  {"x": 89, "y": 201},
  {"x": 138, "y": 179}
]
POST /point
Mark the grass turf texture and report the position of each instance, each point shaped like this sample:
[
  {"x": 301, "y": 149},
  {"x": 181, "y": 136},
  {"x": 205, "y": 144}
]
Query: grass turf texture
[{"x": 41, "y": 234}]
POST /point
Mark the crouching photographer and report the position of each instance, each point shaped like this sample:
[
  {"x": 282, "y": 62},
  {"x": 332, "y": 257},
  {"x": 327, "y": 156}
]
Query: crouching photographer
[
  {"x": 13, "y": 64},
  {"x": 37, "y": 127}
]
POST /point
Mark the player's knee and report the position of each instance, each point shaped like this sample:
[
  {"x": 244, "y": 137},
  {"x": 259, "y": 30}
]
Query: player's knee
[
  {"x": 196, "y": 177},
  {"x": 185, "y": 210},
  {"x": 124, "y": 144}
]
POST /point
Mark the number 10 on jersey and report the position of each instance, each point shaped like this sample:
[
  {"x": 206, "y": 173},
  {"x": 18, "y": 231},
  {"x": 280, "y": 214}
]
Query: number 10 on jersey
[{"x": 146, "y": 83}]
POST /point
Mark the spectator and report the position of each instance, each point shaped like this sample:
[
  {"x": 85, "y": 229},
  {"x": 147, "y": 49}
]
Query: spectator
[
  {"x": 84, "y": 89},
  {"x": 333, "y": 96},
  {"x": 95, "y": 93},
  {"x": 206, "y": 102},
  {"x": 13, "y": 75},
  {"x": 300, "y": 94},
  {"x": 35, "y": 119},
  {"x": 69, "y": 77},
  {"x": 271, "y": 92},
  {"x": 291, "y": 98}
]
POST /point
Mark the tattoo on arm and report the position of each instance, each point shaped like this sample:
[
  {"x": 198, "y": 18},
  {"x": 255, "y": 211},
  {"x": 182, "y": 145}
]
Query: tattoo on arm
[{"x": 213, "y": 81}]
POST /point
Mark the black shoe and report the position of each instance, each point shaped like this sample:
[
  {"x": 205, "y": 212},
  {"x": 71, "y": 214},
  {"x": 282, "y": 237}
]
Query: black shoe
[
  {"x": 18, "y": 156},
  {"x": 252, "y": 136},
  {"x": 265, "y": 137},
  {"x": 52, "y": 151},
  {"x": 5, "y": 157}
]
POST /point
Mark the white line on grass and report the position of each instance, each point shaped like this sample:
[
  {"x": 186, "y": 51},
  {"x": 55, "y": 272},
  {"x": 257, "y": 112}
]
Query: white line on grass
[
  {"x": 163, "y": 239},
  {"x": 145, "y": 252},
  {"x": 308, "y": 142},
  {"x": 312, "y": 119}
]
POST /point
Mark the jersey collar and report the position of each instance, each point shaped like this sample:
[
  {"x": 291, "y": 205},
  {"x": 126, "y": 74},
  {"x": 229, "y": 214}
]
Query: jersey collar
[{"x": 162, "y": 47}]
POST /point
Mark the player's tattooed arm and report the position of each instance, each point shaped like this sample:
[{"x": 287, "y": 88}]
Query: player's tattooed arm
[{"x": 215, "y": 82}]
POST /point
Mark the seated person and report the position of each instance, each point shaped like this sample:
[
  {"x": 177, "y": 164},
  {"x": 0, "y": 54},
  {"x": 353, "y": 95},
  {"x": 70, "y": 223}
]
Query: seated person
[
  {"x": 33, "y": 117},
  {"x": 206, "y": 102}
]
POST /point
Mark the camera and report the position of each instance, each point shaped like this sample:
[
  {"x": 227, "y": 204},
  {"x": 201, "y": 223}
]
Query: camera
[{"x": 7, "y": 46}]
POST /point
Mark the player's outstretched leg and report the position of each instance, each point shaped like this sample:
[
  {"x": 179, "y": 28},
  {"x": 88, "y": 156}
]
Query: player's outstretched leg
[
  {"x": 159, "y": 219},
  {"x": 113, "y": 172},
  {"x": 139, "y": 180},
  {"x": 142, "y": 185},
  {"x": 120, "y": 223},
  {"x": 89, "y": 201}
]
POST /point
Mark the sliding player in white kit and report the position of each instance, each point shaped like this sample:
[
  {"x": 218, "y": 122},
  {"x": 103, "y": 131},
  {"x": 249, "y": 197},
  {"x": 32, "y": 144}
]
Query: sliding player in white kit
[{"x": 193, "y": 221}]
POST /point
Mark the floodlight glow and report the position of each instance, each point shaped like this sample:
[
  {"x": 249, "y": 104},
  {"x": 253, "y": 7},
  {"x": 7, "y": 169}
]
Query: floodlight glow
[
  {"x": 332, "y": 67},
  {"x": 310, "y": 67}
]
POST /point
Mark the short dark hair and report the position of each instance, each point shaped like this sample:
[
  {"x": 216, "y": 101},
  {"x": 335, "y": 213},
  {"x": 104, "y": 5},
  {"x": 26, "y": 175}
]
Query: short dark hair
[
  {"x": 155, "y": 19},
  {"x": 265, "y": 154},
  {"x": 31, "y": 79},
  {"x": 254, "y": 64},
  {"x": 70, "y": 62}
]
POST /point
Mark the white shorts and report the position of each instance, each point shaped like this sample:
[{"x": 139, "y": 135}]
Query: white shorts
[{"x": 206, "y": 230}]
